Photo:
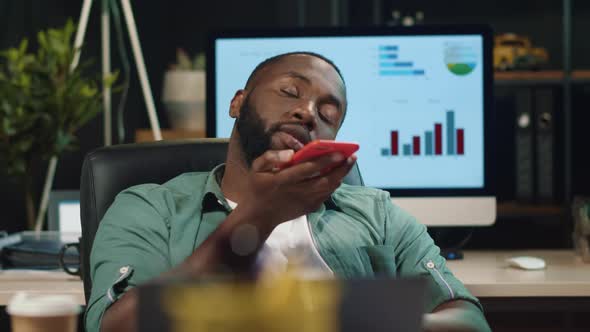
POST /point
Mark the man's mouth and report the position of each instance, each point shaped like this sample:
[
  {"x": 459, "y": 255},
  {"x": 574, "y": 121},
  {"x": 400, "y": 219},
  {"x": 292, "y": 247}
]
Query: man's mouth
[{"x": 295, "y": 136}]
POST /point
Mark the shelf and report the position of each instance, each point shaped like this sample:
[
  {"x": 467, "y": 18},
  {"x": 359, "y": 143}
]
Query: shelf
[
  {"x": 145, "y": 135},
  {"x": 530, "y": 77},
  {"x": 515, "y": 209},
  {"x": 582, "y": 76}
]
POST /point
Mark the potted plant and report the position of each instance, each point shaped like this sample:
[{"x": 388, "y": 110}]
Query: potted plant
[
  {"x": 183, "y": 92},
  {"x": 43, "y": 102}
]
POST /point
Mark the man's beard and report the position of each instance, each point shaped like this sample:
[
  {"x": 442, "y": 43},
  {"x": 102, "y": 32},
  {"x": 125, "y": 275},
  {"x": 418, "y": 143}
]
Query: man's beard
[{"x": 253, "y": 138}]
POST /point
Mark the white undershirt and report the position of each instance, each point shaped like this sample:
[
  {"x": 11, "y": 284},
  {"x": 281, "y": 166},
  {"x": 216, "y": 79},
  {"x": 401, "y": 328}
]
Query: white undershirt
[{"x": 291, "y": 242}]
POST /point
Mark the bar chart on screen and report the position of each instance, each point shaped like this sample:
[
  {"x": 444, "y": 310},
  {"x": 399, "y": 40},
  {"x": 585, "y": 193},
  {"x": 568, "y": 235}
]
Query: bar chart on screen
[
  {"x": 391, "y": 64},
  {"x": 430, "y": 142}
]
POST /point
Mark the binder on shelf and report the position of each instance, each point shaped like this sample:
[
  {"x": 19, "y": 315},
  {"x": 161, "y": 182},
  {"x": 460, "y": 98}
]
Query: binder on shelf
[
  {"x": 544, "y": 123},
  {"x": 524, "y": 180}
]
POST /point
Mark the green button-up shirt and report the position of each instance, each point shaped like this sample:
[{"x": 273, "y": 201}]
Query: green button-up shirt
[{"x": 359, "y": 232}]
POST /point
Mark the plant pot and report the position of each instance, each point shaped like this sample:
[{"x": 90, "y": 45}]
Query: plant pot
[{"x": 183, "y": 97}]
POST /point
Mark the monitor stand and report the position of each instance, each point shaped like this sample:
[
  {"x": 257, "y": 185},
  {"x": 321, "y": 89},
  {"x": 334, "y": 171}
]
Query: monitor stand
[
  {"x": 451, "y": 254},
  {"x": 449, "y": 241}
]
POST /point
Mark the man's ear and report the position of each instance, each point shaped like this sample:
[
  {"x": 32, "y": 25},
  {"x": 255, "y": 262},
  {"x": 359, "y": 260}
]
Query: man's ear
[{"x": 236, "y": 103}]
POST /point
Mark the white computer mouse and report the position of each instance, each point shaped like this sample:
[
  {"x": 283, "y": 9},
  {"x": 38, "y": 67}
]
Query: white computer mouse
[{"x": 526, "y": 262}]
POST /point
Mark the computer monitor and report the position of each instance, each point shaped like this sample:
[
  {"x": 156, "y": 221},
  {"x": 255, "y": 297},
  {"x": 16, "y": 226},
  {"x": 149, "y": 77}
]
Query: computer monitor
[
  {"x": 64, "y": 211},
  {"x": 419, "y": 105}
]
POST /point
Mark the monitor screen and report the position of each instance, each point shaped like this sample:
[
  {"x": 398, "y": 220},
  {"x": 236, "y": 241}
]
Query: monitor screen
[
  {"x": 69, "y": 217},
  {"x": 64, "y": 211},
  {"x": 418, "y": 98}
]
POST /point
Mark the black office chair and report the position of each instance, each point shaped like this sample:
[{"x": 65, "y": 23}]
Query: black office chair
[{"x": 108, "y": 171}]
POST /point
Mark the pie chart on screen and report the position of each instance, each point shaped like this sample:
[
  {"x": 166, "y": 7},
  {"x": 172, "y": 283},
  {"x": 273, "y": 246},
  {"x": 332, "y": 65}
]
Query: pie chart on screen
[{"x": 460, "y": 58}]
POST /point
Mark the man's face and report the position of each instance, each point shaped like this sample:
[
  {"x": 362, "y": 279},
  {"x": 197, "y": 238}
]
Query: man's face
[{"x": 296, "y": 100}]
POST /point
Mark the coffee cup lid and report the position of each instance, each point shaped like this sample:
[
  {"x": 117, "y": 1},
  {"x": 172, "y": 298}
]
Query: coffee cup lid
[{"x": 25, "y": 304}]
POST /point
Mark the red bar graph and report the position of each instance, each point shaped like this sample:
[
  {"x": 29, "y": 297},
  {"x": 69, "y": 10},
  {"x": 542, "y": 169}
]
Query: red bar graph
[
  {"x": 438, "y": 138},
  {"x": 416, "y": 145},
  {"x": 394, "y": 143},
  {"x": 460, "y": 141},
  {"x": 432, "y": 138}
]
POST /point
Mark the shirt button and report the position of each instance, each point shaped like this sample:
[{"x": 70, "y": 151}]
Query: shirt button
[
  {"x": 430, "y": 265},
  {"x": 124, "y": 269}
]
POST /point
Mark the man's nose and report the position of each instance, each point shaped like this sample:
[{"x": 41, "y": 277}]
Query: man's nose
[{"x": 306, "y": 113}]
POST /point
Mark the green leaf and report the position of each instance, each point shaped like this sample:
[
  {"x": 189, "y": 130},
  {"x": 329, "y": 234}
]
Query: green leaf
[
  {"x": 199, "y": 63},
  {"x": 7, "y": 127},
  {"x": 23, "y": 46},
  {"x": 111, "y": 78},
  {"x": 42, "y": 40},
  {"x": 88, "y": 91},
  {"x": 183, "y": 60}
]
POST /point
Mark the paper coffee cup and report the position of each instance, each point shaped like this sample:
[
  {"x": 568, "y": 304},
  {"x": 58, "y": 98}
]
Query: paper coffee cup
[{"x": 49, "y": 313}]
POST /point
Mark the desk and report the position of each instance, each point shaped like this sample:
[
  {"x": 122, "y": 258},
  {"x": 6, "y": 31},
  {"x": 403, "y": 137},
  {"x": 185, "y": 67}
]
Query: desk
[
  {"x": 39, "y": 282},
  {"x": 484, "y": 273},
  {"x": 556, "y": 299}
]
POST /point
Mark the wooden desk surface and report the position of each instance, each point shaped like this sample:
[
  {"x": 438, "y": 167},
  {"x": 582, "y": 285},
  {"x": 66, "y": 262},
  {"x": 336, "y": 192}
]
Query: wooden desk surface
[
  {"x": 39, "y": 283},
  {"x": 485, "y": 274}
]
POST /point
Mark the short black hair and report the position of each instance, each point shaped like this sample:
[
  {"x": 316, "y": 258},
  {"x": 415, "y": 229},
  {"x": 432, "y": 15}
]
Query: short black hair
[{"x": 278, "y": 57}]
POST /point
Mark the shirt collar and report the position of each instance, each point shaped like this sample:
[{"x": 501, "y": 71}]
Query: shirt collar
[{"x": 213, "y": 198}]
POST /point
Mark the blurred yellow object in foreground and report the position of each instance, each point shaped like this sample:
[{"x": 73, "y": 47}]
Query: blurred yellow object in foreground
[{"x": 281, "y": 304}]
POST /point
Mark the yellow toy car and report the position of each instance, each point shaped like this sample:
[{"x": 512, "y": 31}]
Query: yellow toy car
[{"x": 512, "y": 52}]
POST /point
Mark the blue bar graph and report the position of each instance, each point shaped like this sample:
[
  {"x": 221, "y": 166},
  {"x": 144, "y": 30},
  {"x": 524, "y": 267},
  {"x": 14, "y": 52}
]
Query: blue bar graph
[
  {"x": 404, "y": 64},
  {"x": 396, "y": 64},
  {"x": 401, "y": 72},
  {"x": 388, "y": 48},
  {"x": 388, "y": 56},
  {"x": 428, "y": 139},
  {"x": 450, "y": 133},
  {"x": 389, "y": 67},
  {"x": 407, "y": 150}
]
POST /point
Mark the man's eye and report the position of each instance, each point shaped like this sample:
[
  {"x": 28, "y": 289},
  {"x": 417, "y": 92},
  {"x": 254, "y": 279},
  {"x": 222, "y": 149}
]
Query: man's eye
[
  {"x": 290, "y": 93},
  {"x": 326, "y": 117}
]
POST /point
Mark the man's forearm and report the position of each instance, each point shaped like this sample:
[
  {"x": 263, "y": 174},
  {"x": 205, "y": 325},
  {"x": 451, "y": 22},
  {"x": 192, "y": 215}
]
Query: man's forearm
[
  {"x": 232, "y": 246},
  {"x": 456, "y": 316}
]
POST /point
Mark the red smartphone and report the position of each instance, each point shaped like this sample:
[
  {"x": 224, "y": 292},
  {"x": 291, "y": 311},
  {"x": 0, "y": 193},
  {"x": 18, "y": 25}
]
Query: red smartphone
[{"x": 320, "y": 147}]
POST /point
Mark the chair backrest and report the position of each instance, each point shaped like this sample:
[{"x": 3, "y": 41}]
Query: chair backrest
[{"x": 110, "y": 170}]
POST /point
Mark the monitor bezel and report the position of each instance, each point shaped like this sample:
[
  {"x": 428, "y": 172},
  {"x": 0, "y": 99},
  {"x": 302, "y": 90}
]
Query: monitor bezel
[{"x": 472, "y": 29}]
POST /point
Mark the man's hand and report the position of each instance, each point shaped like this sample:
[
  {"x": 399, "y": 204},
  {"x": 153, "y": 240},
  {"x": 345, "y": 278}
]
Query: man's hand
[
  {"x": 455, "y": 316},
  {"x": 294, "y": 191}
]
